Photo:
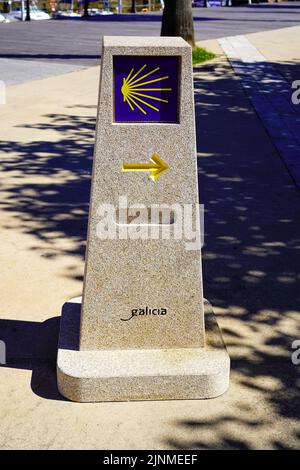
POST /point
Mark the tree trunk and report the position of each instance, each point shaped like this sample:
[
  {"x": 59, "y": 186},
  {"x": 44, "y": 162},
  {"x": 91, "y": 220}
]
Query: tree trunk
[
  {"x": 85, "y": 8},
  {"x": 133, "y": 6},
  {"x": 178, "y": 20},
  {"x": 27, "y": 18}
]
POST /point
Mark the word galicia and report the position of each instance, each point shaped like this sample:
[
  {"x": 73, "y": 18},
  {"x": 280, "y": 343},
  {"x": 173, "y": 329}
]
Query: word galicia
[{"x": 136, "y": 312}]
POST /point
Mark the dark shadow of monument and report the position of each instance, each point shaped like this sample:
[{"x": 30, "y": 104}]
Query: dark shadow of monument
[
  {"x": 33, "y": 346},
  {"x": 250, "y": 258}
]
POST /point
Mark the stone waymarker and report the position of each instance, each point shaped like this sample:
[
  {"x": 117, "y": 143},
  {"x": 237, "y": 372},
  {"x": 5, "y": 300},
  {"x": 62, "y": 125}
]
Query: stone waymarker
[{"x": 142, "y": 333}]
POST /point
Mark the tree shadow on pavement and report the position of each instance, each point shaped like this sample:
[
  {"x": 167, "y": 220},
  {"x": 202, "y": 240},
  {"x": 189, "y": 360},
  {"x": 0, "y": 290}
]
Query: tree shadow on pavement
[
  {"x": 49, "y": 193},
  {"x": 250, "y": 257},
  {"x": 45, "y": 189},
  {"x": 251, "y": 271}
]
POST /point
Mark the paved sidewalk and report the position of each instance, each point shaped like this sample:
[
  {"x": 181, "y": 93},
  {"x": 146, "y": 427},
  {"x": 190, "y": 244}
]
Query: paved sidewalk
[
  {"x": 251, "y": 272},
  {"x": 21, "y": 71},
  {"x": 270, "y": 93}
]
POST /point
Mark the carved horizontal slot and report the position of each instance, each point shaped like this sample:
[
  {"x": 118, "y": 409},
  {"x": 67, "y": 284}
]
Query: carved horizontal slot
[{"x": 144, "y": 216}]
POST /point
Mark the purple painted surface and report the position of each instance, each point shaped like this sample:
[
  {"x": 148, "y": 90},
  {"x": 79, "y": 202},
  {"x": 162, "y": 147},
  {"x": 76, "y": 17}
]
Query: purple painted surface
[{"x": 140, "y": 83}]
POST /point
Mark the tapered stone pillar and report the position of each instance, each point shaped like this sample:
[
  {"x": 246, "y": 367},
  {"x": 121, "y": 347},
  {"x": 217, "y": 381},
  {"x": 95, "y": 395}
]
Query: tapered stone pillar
[{"x": 145, "y": 331}]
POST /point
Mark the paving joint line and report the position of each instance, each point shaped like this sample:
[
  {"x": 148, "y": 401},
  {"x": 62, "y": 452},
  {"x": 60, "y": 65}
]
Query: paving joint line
[{"x": 270, "y": 95}]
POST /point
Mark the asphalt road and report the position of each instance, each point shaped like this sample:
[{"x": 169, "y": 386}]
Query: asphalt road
[
  {"x": 78, "y": 41},
  {"x": 67, "y": 44}
]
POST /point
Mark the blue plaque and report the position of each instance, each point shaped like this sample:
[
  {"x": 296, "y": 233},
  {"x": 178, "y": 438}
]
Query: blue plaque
[{"x": 146, "y": 89}]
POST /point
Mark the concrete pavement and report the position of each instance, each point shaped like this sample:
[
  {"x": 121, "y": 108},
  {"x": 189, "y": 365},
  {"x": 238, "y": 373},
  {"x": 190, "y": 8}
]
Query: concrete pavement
[
  {"x": 270, "y": 92},
  {"x": 250, "y": 261},
  {"x": 20, "y": 71}
]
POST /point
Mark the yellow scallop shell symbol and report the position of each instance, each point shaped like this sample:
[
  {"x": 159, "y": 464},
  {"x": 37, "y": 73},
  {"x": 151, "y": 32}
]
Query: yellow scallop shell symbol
[{"x": 137, "y": 94}]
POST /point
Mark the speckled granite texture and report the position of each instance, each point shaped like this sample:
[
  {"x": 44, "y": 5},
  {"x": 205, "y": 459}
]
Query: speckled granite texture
[
  {"x": 150, "y": 356},
  {"x": 140, "y": 374},
  {"x": 126, "y": 274}
]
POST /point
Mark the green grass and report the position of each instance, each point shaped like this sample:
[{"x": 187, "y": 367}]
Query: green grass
[{"x": 202, "y": 55}]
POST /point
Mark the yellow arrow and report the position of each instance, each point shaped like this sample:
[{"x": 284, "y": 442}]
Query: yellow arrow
[{"x": 156, "y": 168}]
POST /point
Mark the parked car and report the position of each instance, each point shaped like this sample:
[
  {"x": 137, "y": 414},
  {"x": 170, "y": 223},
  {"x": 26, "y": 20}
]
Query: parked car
[
  {"x": 210, "y": 3},
  {"x": 35, "y": 13},
  {"x": 96, "y": 12},
  {"x": 66, "y": 14},
  {"x": 3, "y": 19}
]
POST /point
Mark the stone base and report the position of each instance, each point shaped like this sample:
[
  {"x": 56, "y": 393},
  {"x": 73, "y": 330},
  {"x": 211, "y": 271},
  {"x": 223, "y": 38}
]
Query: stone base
[{"x": 140, "y": 374}]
